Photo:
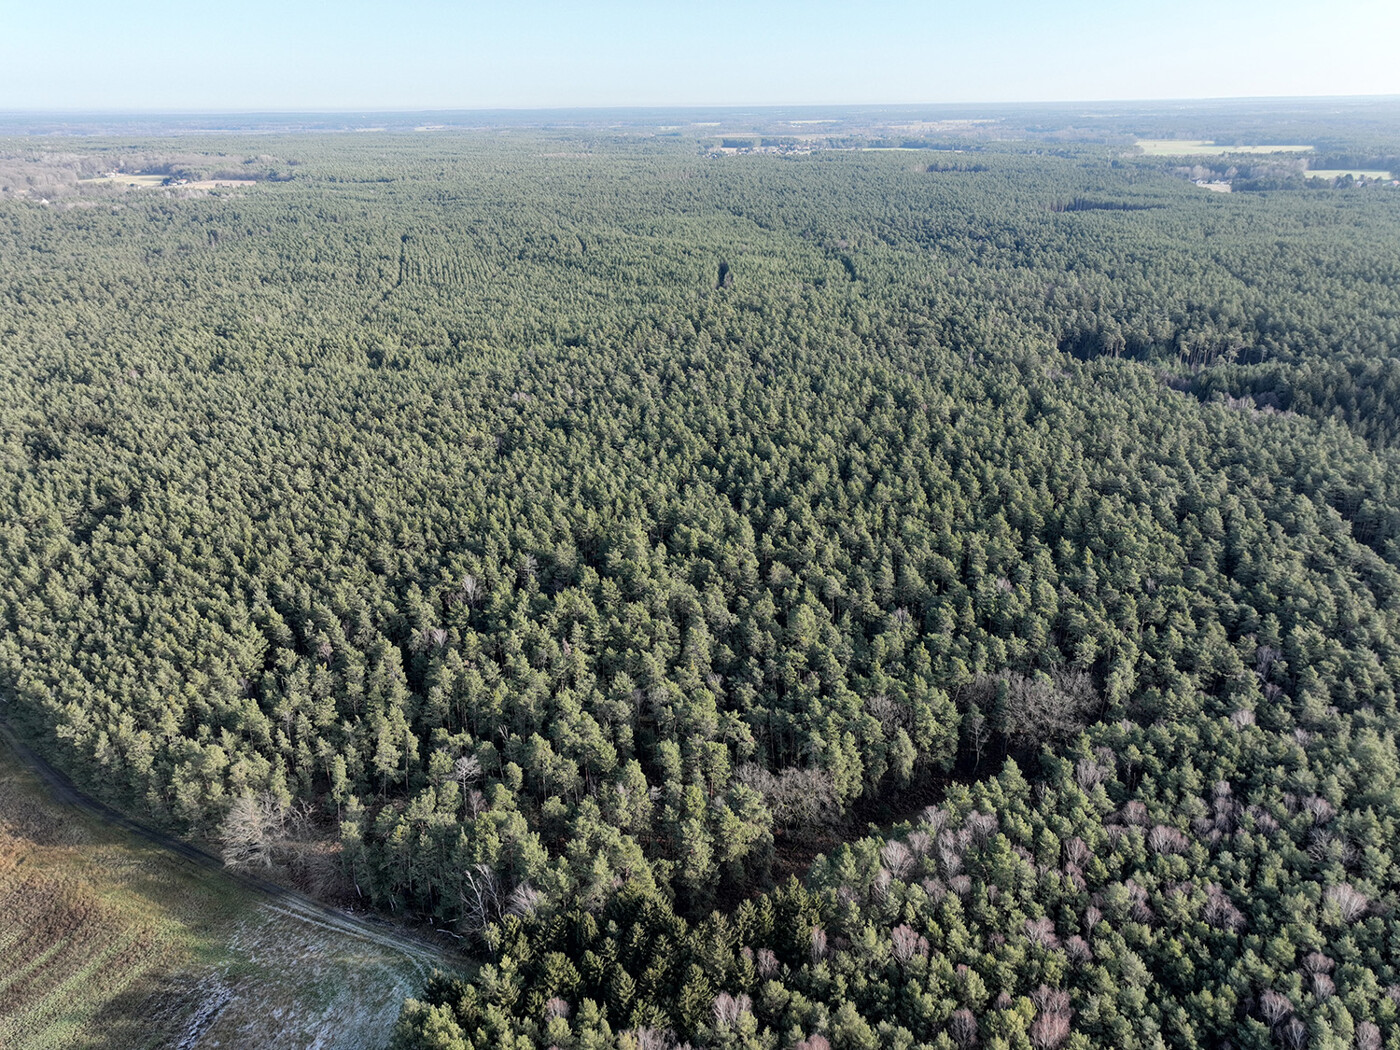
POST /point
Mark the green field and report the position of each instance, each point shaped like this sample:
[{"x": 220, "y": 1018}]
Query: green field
[
  {"x": 111, "y": 942},
  {"x": 1206, "y": 148}
]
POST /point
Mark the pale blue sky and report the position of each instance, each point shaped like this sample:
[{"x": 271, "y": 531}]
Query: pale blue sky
[{"x": 350, "y": 54}]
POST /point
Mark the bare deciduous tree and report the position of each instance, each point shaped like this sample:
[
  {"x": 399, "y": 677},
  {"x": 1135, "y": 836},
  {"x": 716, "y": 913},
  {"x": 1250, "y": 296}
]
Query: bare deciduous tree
[
  {"x": 252, "y": 829},
  {"x": 1274, "y": 1007},
  {"x": 797, "y": 798},
  {"x": 730, "y": 1008},
  {"x": 906, "y": 944},
  {"x": 1051, "y": 1026},
  {"x": 1351, "y": 903},
  {"x": 898, "y": 858},
  {"x": 482, "y": 897}
]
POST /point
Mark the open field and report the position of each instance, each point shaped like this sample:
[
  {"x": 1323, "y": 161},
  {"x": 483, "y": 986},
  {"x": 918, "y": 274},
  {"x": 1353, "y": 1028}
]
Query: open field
[
  {"x": 1201, "y": 148},
  {"x": 139, "y": 181},
  {"x": 1337, "y": 173},
  {"x": 156, "y": 181},
  {"x": 109, "y": 941}
]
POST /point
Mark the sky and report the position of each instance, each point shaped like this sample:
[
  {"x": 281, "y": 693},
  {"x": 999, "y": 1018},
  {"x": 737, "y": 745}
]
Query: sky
[{"x": 299, "y": 55}]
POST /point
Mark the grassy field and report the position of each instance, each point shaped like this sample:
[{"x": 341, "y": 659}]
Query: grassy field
[
  {"x": 1201, "y": 148},
  {"x": 156, "y": 181},
  {"x": 144, "y": 181},
  {"x": 1337, "y": 173},
  {"x": 108, "y": 941}
]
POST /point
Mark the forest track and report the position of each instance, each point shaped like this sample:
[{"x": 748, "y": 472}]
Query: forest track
[{"x": 424, "y": 954}]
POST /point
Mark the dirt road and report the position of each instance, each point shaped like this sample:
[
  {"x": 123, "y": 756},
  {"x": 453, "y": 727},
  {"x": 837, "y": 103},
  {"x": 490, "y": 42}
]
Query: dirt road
[{"x": 422, "y": 953}]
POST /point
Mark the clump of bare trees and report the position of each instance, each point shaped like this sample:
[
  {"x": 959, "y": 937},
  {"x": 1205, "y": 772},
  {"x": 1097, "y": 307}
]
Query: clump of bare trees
[
  {"x": 798, "y": 798},
  {"x": 485, "y": 899},
  {"x": 267, "y": 832},
  {"x": 1028, "y": 710},
  {"x": 1051, "y": 1027}
]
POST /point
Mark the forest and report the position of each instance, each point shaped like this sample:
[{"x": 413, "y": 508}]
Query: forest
[{"x": 841, "y": 599}]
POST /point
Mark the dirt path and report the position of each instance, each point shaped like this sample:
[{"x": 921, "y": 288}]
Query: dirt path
[{"x": 422, "y": 953}]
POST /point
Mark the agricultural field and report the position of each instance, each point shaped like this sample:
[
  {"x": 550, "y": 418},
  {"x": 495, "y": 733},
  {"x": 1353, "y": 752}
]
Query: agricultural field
[
  {"x": 147, "y": 182},
  {"x": 1337, "y": 173},
  {"x": 1205, "y": 148},
  {"x": 109, "y": 941},
  {"x": 122, "y": 179}
]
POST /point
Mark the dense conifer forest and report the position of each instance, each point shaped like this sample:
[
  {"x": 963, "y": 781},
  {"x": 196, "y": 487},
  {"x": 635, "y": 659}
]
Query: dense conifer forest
[{"x": 854, "y": 599}]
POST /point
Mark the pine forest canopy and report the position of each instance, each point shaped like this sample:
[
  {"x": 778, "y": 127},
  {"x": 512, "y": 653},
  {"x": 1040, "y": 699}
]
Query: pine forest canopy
[{"x": 587, "y": 529}]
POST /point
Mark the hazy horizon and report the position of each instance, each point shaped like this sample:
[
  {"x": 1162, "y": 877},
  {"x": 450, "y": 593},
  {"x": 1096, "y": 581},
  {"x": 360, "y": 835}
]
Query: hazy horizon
[
  {"x": 429, "y": 55},
  {"x": 698, "y": 107}
]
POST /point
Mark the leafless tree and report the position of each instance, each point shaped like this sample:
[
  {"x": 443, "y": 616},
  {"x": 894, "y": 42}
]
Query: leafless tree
[
  {"x": 1274, "y": 1007},
  {"x": 1351, "y": 904},
  {"x": 1323, "y": 987},
  {"x": 652, "y": 1039},
  {"x": 1242, "y": 717},
  {"x": 523, "y": 900},
  {"x": 898, "y": 859},
  {"x": 1164, "y": 839},
  {"x": 1133, "y": 812},
  {"x": 1089, "y": 774},
  {"x": 767, "y": 962},
  {"x": 1046, "y": 707},
  {"x": 962, "y": 1026},
  {"x": 1140, "y": 910},
  {"x": 1220, "y": 910},
  {"x": 1316, "y": 962},
  {"x": 1041, "y": 932},
  {"x": 730, "y": 1008},
  {"x": 907, "y": 944},
  {"x": 1077, "y": 852},
  {"x": 935, "y": 889},
  {"x": 1264, "y": 821},
  {"x": 1294, "y": 1034},
  {"x": 252, "y": 828},
  {"x": 556, "y": 1007},
  {"x": 482, "y": 897},
  {"x": 951, "y": 845},
  {"x": 1051, "y": 1026},
  {"x": 880, "y": 884},
  {"x": 936, "y": 817},
  {"x": 982, "y": 826},
  {"x": 1322, "y": 811},
  {"x": 797, "y": 798}
]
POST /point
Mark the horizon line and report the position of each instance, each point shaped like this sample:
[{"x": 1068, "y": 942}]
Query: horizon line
[{"x": 672, "y": 107}]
